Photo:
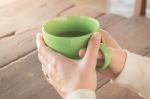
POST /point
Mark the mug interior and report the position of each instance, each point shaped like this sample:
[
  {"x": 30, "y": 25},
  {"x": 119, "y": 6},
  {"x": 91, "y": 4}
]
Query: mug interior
[{"x": 72, "y": 25}]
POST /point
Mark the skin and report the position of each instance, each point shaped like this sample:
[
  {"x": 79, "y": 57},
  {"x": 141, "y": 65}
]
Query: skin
[{"x": 58, "y": 68}]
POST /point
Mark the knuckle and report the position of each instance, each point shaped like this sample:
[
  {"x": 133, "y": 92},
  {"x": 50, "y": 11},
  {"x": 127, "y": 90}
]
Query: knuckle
[
  {"x": 52, "y": 63},
  {"x": 86, "y": 63},
  {"x": 52, "y": 58},
  {"x": 41, "y": 50},
  {"x": 39, "y": 57},
  {"x": 57, "y": 56}
]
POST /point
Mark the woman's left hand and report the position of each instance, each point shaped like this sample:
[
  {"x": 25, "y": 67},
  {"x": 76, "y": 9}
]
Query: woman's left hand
[{"x": 67, "y": 75}]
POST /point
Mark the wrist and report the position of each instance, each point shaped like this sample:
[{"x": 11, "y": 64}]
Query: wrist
[{"x": 118, "y": 60}]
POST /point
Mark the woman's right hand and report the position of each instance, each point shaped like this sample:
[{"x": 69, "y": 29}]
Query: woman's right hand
[
  {"x": 67, "y": 75},
  {"x": 118, "y": 56}
]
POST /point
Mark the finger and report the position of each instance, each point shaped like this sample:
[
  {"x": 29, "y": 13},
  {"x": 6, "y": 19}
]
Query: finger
[
  {"x": 39, "y": 40},
  {"x": 99, "y": 59},
  {"x": 44, "y": 69},
  {"x": 45, "y": 72},
  {"x": 51, "y": 80},
  {"x": 108, "y": 39},
  {"x": 43, "y": 50},
  {"x": 42, "y": 60},
  {"x": 83, "y": 51},
  {"x": 48, "y": 74},
  {"x": 92, "y": 49},
  {"x": 46, "y": 66},
  {"x": 49, "y": 65}
]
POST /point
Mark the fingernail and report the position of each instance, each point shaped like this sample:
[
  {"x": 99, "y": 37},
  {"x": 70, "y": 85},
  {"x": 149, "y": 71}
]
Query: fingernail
[{"x": 96, "y": 37}]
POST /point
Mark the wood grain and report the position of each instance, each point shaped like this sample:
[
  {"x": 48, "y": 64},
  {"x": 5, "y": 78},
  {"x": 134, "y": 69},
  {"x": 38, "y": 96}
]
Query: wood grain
[
  {"x": 27, "y": 29},
  {"x": 25, "y": 14},
  {"x": 142, "y": 20},
  {"x": 132, "y": 34},
  {"x": 147, "y": 54},
  {"x": 23, "y": 79},
  {"x": 84, "y": 11},
  {"x": 17, "y": 45},
  {"x": 109, "y": 20},
  {"x": 115, "y": 91}
]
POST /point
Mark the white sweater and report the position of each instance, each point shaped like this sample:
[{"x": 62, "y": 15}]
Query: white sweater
[{"x": 135, "y": 76}]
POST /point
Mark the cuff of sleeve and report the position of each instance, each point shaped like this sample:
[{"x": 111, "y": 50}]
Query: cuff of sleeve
[
  {"x": 132, "y": 73},
  {"x": 82, "y": 94}
]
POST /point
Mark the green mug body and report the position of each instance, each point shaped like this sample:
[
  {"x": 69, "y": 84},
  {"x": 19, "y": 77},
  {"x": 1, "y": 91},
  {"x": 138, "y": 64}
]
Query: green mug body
[{"x": 68, "y": 34}]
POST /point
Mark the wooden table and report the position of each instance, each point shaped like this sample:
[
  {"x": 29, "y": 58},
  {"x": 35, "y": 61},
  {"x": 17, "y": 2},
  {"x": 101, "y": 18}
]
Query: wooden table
[{"x": 20, "y": 72}]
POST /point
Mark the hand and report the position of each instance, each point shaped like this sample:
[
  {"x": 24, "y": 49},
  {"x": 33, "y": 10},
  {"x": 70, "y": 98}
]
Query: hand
[
  {"x": 65, "y": 74},
  {"x": 118, "y": 56}
]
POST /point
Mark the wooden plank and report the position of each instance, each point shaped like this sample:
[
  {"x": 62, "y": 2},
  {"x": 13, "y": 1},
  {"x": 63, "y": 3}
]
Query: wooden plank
[
  {"x": 140, "y": 8},
  {"x": 84, "y": 10},
  {"x": 115, "y": 91},
  {"x": 130, "y": 33},
  {"x": 147, "y": 54},
  {"x": 17, "y": 16},
  {"x": 24, "y": 79},
  {"x": 142, "y": 20},
  {"x": 145, "y": 51},
  {"x": 108, "y": 20},
  {"x": 17, "y": 45},
  {"x": 32, "y": 26},
  {"x": 101, "y": 81},
  {"x": 36, "y": 14}
]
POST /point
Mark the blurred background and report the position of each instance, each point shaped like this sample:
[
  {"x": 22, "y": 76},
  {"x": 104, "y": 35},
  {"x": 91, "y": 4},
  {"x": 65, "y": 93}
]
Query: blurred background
[
  {"x": 126, "y": 7},
  {"x": 121, "y": 7}
]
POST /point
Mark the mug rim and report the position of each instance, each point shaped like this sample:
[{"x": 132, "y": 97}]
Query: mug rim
[{"x": 96, "y": 22}]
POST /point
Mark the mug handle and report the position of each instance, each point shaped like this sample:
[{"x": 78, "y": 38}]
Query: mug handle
[{"x": 106, "y": 58}]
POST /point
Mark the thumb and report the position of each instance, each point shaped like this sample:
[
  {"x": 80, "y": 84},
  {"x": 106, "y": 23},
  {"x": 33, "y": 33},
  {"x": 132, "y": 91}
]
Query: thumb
[
  {"x": 109, "y": 40},
  {"x": 93, "y": 49}
]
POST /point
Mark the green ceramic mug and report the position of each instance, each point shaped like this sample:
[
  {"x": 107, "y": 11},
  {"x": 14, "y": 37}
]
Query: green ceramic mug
[{"x": 68, "y": 34}]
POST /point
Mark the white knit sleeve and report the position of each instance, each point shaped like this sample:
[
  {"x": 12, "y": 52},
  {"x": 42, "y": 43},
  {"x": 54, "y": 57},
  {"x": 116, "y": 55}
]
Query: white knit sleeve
[
  {"x": 136, "y": 74},
  {"x": 82, "y": 94}
]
